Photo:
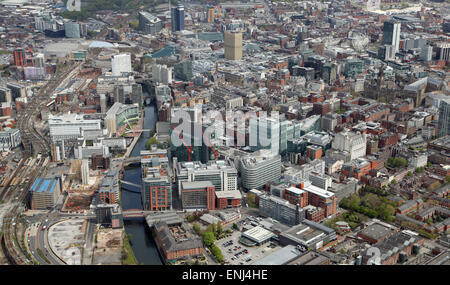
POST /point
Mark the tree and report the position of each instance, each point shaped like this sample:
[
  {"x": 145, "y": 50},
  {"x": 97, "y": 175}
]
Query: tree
[
  {"x": 409, "y": 173},
  {"x": 151, "y": 141},
  {"x": 420, "y": 169},
  {"x": 235, "y": 226},
  {"x": 197, "y": 228},
  {"x": 191, "y": 218},
  {"x": 217, "y": 253},
  {"x": 393, "y": 182},
  {"x": 208, "y": 238}
]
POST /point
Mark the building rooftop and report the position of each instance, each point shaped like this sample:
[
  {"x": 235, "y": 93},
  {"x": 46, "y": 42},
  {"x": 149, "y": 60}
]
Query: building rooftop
[
  {"x": 376, "y": 231},
  {"x": 258, "y": 234},
  {"x": 280, "y": 257},
  {"x": 235, "y": 194},
  {"x": 186, "y": 185}
]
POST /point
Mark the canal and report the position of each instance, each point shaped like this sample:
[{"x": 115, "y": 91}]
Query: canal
[{"x": 142, "y": 243}]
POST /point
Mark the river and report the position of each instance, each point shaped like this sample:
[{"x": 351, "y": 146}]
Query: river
[{"x": 142, "y": 243}]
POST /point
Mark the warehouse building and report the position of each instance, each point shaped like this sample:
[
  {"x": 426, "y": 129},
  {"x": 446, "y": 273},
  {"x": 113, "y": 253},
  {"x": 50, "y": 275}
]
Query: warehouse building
[
  {"x": 308, "y": 234},
  {"x": 256, "y": 236}
]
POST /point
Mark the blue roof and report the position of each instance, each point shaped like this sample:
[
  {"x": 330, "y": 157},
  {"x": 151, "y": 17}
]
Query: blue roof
[
  {"x": 53, "y": 186},
  {"x": 44, "y": 185},
  {"x": 36, "y": 183}
]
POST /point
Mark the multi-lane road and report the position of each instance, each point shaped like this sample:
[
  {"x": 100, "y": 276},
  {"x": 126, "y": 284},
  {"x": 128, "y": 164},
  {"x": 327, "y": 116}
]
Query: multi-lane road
[{"x": 37, "y": 236}]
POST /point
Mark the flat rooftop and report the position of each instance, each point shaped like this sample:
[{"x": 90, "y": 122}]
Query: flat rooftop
[
  {"x": 280, "y": 257},
  {"x": 258, "y": 234},
  {"x": 376, "y": 231}
]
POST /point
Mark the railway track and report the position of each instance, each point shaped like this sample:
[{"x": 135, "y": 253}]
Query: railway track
[
  {"x": 33, "y": 142},
  {"x": 11, "y": 243}
]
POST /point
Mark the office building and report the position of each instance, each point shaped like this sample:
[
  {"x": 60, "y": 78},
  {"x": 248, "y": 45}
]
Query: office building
[
  {"x": 233, "y": 45},
  {"x": 322, "y": 181},
  {"x": 70, "y": 126},
  {"x": 39, "y": 60},
  {"x": 58, "y": 151},
  {"x": 280, "y": 210},
  {"x": 228, "y": 199},
  {"x": 109, "y": 192},
  {"x": 221, "y": 173},
  {"x": 9, "y": 139},
  {"x": 72, "y": 29},
  {"x": 34, "y": 73},
  {"x": 353, "y": 67},
  {"x": 121, "y": 63},
  {"x": 427, "y": 53},
  {"x": 183, "y": 70},
  {"x": 161, "y": 74},
  {"x": 149, "y": 24},
  {"x": 17, "y": 90},
  {"x": 20, "y": 57},
  {"x": 156, "y": 189},
  {"x": 386, "y": 52},
  {"x": 121, "y": 116},
  {"x": 84, "y": 171},
  {"x": 5, "y": 95},
  {"x": 259, "y": 168},
  {"x": 351, "y": 143},
  {"x": 197, "y": 195},
  {"x": 391, "y": 34},
  {"x": 444, "y": 118},
  {"x": 210, "y": 14},
  {"x": 129, "y": 93},
  {"x": 177, "y": 18},
  {"x": 44, "y": 193},
  {"x": 299, "y": 173},
  {"x": 442, "y": 51}
]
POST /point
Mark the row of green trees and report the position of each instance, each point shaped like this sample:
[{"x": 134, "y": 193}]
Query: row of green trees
[{"x": 213, "y": 232}]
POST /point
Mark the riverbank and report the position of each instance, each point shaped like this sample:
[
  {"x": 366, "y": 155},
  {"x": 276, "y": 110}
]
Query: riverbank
[
  {"x": 128, "y": 257},
  {"x": 142, "y": 245}
]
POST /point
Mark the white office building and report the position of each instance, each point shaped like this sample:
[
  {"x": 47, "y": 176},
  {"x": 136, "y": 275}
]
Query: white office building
[
  {"x": 221, "y": 173},
  {"x": 350, "y": 142},
  {"x": 162, "y": 74},
  {"x": 121, "y": 63},
  {"x": 70, "y": 126},
  {"x": 259, "y": 168}
]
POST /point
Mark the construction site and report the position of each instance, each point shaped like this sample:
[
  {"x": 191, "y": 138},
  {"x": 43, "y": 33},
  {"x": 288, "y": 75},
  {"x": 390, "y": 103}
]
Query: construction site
[
  {"x": 108, "y": 247},
  {"x": 67, "y": 239},
  {"x": 81, "y": 184}
]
